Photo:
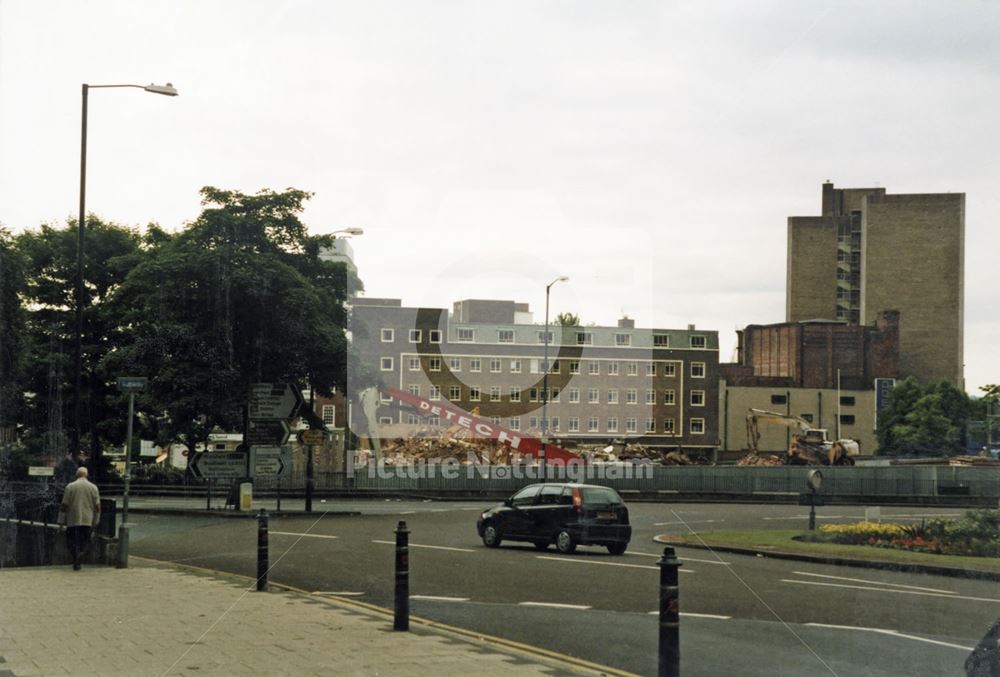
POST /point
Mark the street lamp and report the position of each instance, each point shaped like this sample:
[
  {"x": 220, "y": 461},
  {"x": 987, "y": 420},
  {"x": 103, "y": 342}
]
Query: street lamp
[
  {"x": 167, "y": 90},
  {"x": 545, "y": 377},
  {"x": 350, "y": 231}
]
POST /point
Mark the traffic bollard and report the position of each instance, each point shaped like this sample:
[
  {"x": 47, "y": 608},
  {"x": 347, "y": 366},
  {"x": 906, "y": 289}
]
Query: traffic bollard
[
  {"x": 401, "y": 620},
  {"x": 669, "y": 644},
  {"x": 262, "y": 565}
]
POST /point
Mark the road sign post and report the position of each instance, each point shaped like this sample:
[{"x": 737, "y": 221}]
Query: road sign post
[{"x": 130, "y": 385}]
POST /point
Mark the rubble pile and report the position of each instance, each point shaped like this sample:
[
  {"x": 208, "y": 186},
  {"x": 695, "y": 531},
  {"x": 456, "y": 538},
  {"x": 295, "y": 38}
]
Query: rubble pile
[
  {"x": 761, "y": 460},
  {"x": 405, "y": 451},
  {"x": 977, "y": 461}
]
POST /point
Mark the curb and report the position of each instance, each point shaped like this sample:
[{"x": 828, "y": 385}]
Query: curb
[
  {"x": 953, "y": 572},
  {"x": 537, "y": 654},
  {"x": 236, "y": 514}
]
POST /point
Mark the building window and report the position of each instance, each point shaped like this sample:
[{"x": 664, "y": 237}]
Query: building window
[
  {"x": 474, "y": 394},
  {"x": 808, "y": 418},
  {"x": 382, "y": 397},
  {"x": 779, "y": 399},
  {"x": 650, "y": 425},
  {"x": 574, "y": 395},
  {"x": 573, "y": 424},
  {"x": 592, "y": 425},
  {"x": 650, "y": 397},
  {"x": 465, "y": 335},
  {"x": 434, "y": 394},
  {"x": 434, "y": 421},
  {"x": 584, "y": 338},
  {"x": 505, "y": 336},
  {"x": 475, "y": 364},
  {"x": 495, "y": 420},
  {"x": 574, "y": 366},
  {"x": 329, "y": 414},
  {"x": 612, "y": 424},
  {"x": 697, "y": 426},
  {"x": 623, "y": 340},
  {"x": 532, "y": 422},
  {"x": 554, "y": 423},
  {"x": 386, "y": 364},
  {"x": 632, "y": 369},
  {"x": 415, "y": 336},
  {"x": 414, "y": 363},
  {"x": 385, "y": 420},
  {"x": 412, "y": 419},
  {"x": 515, "y": 394},
  {"x": 668, "y": 397},
  {"x": 847, "y": 419},
  {"x": 533, "y": 365},
  {"x": 631, "y": 425},
  {"x": 494, "y": 393},
  {"x": 435, "y": 335},
  {"x": 455, "y": 363},
  {"x": 698, "y": 342},
  {"x": 434, "y": 364},
  {"x": 388, "y": 335},
  {"x": 612, "y": 369},
  {"x": 554, "y": 367},
  {"x": 697, "y": 398},
  {"x": 668, "y": 426},
  {"x": 454, "y": 393},
  {"x": 533, "y": 395},
  {"x": 650, "y": 369},
  {"x": 593, "y": 396},
  {"x": 515, "y": 422},
  {"x": 612, "y": 396},
  {"x": 847, "y": 401},
  {"x": 661, "y": 341},
  {"x": 515, "y": 366},
  {"x": 631, "y": 396},
  {"x": 697, "y": 370},
  {"x": 545, "y": 336},
  {"x": 594, "y": 368},
  {"x": 553, "y": 394},
  {"x": 495, "y": 365},
  {"x": 670, "y": 369},
  {"x": 414, "y": 390}
]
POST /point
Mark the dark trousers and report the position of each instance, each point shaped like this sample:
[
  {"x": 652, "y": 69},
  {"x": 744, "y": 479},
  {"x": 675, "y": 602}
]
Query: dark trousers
[{"x": 78, "y": 540}]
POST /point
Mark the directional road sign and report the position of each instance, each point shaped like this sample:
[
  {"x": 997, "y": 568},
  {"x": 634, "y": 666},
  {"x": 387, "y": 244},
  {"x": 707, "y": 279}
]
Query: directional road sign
[
  {"x": 270, "y": 461},
  {"x": 271, "y": 401},
  {"x": 311, "y": 437},
  {"x": 132, "y": 384},
  {"x": 267, "y": 432},
  {"x": 219, "y": 465}
]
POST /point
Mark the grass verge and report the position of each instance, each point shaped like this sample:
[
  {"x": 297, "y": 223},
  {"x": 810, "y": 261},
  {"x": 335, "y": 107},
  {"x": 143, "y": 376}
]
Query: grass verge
[{"x": 783, "y": 541}]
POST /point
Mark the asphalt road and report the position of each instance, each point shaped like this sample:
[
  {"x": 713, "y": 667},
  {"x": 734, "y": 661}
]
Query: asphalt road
[{"x": 740, "y": 615}]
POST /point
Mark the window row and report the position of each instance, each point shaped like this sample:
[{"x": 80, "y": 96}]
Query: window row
[
  {"x": 581, "y": 338},
  {"x": 573, "y": 395},
  {"x": 535, "y": 366},
  {"x": 592, "y": 424}
]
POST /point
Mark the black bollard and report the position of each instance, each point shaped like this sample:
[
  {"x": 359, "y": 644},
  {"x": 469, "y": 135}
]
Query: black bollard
[
  {"x": 670, "y": 645},
  {"x": 401, "y": 620},
  {"x": 262, "y": 565}
]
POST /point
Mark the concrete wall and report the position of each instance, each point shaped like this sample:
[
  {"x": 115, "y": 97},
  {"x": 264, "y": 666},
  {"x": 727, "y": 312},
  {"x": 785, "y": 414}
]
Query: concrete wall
[{"x": 811, "y": 283}]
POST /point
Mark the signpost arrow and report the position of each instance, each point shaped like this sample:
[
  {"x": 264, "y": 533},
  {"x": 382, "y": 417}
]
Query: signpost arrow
[
  {"x": 219, "y": 465},
  {"x": 272, "y": 401},
  {"x": 266, "y": 432},
  {"x": 270, "y": 461}
]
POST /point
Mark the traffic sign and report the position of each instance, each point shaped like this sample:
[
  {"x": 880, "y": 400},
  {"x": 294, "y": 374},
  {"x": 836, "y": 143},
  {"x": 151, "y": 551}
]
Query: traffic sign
[
  {"x": 41, "y": 471},
  {"x": 219, "y": 465},
  {"x": 271, "y": 401},
  {"x": 311, "y": 437},
  {"x": 270, "y": 461},
  {"x": 267, "y": 432},
  {"x": 132, "y": 384}
]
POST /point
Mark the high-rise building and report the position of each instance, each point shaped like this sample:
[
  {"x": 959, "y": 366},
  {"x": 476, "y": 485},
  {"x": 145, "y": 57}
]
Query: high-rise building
[{"x": 870, "y": 252}]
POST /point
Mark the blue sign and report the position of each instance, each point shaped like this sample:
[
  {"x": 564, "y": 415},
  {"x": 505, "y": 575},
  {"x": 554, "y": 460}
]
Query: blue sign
[{"x": 883, "y": 388}]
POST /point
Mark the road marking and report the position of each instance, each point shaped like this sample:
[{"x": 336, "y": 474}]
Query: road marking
[
  {"x": 433, "y": 547},
  {"x": 292, "y": 533},
  {"x": 663, "y": 524},
  {"x": 554, "y": 605},
  {"x": 901, "y": 592},
  {"x": 339, "y": 593},
  {"x": 435, "y": 598},
  {"x": 862, "y": 580},
  {"x": 408, "y": 512},
  {"x": 683, "y": 559},
  {"x": 893, "y": 633},
  {"x": 694, "y": 615},
  {"x": 607, "y": 564}
]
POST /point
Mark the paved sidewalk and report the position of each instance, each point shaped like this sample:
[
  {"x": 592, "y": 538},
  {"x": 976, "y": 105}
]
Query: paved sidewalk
[{"x": 156, "y": 619}]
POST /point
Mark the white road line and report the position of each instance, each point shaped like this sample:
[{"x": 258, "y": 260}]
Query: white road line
[
  {"x": 683, "y": 559},
  {"x": 432, "y": 547},
  {"x": 607, "y": 564},
  {"x": 339, "y": 593},
  {"x": 862, "y": 580},
  {"x": 408, "y": 512},
  {"x": 555, "y": 606},
  {"x": 893, "y": 633},
  {"x": 694, "y": 615},
  {"x": 900, "y": 592},
  {"x": 435, "y": 598},
  {"x": 663, "y": 524},
  {"x": 292, "y": 533}
]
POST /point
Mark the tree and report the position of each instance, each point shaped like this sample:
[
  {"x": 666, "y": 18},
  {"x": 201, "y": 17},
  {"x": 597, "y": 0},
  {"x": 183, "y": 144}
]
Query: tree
[
  {"x": 240, "y": 296},
  {"x": 12, "y": 337},
  {"x": 568, "y": 320},
  {"x": 923, "y": 420}
]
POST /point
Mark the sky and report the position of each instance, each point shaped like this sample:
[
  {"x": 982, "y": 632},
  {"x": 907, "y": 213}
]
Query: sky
[{"x": 650, "y": 151}]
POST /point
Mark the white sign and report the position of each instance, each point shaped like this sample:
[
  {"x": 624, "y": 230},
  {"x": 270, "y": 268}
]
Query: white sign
[
  {"x": 220, "y": 465},
  {"x": 270, "y": 401},
  {"x": 41, "y": 471},
  {"x": 270, "y": 461}
]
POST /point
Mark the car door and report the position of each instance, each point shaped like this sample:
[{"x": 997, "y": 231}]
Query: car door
[
  {"x": 548, "y": 512},
  {"x": 518, "y": 523}
]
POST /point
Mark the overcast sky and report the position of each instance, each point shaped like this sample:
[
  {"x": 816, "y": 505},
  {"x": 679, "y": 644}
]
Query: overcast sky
[{"x": 651, "y": 151}]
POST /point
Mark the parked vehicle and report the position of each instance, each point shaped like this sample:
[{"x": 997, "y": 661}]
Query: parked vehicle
[{"x": 565, "y": 514}]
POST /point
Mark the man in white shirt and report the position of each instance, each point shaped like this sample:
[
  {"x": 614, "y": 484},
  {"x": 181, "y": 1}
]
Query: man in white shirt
[{"x": 79, "y": 513}]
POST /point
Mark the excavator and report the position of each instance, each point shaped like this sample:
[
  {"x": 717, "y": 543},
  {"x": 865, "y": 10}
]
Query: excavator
[{"x": 808, "y": 446}]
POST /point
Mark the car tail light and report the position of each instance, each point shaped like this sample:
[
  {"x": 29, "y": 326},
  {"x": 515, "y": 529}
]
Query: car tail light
[{"x": 577, "y": 500}]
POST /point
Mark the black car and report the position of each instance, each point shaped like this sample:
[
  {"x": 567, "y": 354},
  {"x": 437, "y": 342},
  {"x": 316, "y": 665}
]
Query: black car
[{"x": 565, "y": 514}]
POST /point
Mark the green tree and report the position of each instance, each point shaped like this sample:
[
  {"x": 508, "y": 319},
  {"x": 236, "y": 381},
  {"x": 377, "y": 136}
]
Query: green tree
[
  {"x": 240, "y": 296},
  {"x": 568, "y": 320},
  {"x": 12, "y": 337},
  {"x": 923, "y": 420}
]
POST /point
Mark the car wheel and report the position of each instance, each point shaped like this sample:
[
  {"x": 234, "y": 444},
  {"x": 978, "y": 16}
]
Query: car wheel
[
  {"x": 565, "y": 542},
  {"x": 491, "y": 536},
  {"x": 541, "y": 545},
  {"x": 617, "y": 548}
]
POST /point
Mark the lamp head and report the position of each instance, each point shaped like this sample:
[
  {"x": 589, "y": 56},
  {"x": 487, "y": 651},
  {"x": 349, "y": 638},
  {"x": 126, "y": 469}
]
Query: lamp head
[{"x": 167, "y": 89}]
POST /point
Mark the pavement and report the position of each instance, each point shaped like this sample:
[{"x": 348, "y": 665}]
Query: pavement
[{"x": 155, "y": 618}]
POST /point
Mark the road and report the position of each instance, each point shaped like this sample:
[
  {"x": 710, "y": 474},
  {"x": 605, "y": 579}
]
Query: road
[{"x": 740, "y": 615}]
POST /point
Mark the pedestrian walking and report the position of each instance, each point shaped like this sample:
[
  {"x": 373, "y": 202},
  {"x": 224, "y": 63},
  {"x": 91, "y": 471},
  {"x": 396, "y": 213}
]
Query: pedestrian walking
[{"x": 79, "y": 513}]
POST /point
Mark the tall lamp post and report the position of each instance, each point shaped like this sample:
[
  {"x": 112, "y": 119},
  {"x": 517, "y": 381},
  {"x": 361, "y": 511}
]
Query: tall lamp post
[
  {"x": 545, "y": 378},
  {"x": 166, "y": 90}
]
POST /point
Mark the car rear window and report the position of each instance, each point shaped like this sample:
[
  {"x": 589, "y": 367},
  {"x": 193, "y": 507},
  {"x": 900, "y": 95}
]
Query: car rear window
[{"x": 600, "y": 495}]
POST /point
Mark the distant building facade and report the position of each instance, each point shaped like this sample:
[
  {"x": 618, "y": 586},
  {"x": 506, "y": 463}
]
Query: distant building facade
[
  {"x": 869, "y": 252},
  {"x": 654, "y": 386}
]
